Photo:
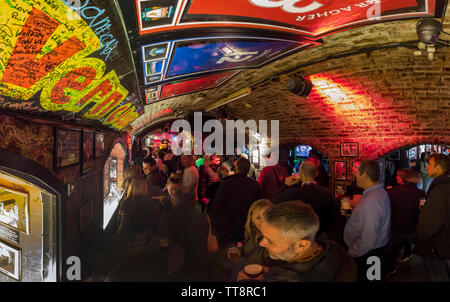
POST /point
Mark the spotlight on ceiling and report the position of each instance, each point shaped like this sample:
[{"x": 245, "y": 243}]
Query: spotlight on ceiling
[
  {"x": 299, "y": 85},
  {"x": 428, "y": 30}
]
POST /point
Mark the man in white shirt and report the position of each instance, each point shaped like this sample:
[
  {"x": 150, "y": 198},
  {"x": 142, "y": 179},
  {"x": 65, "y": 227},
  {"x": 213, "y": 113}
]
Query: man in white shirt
[{"x": 190, "y": 175}]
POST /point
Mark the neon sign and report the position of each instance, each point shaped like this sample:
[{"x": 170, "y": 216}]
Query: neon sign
[{"x": 49, "y": 51}]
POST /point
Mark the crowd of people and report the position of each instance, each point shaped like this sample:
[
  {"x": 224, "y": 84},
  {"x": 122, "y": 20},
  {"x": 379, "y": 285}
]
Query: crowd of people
[{"x": 224, "y": 218}]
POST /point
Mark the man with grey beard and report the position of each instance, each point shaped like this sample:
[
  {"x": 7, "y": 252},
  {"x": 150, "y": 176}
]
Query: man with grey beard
[{"x": 289, "y": 231}]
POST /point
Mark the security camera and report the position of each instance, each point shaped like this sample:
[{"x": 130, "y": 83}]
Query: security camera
[{"x": 428, "y": 30}]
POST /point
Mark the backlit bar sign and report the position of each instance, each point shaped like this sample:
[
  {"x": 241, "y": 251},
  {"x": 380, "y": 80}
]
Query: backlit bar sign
[
  {"x": 182, "y": 58},
  {"x": 313, "y": 18},
  {"x": 46, "y": 46}
]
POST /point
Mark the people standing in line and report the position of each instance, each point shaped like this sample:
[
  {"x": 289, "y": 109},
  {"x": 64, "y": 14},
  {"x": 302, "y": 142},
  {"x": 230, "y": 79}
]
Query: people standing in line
[
  {"x": 289, "y": 235},
  {"x": 231, "y": 203},
  {"x": 272, "y": 178},
  {"x": 432, "y": 234},
  {"x": 366, "y": 232},
  {"x": 405, "y": 200}
]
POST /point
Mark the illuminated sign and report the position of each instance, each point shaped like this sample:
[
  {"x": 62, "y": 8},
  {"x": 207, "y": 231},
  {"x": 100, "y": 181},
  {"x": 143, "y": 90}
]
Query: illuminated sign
[
  {"x": 312, "y": 18},
  {"x": 197, "y": 56},
  {"x": 178, "y": 88},
  {"x": 46, "y": 46}
]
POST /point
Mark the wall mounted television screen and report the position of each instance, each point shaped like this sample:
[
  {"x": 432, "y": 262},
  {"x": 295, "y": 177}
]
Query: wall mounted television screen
[{"x": 302, "y": 150}]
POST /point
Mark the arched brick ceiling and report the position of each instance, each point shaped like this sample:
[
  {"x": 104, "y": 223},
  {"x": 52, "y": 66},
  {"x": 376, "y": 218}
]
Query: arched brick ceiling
[{"x": 383, "y": 94}]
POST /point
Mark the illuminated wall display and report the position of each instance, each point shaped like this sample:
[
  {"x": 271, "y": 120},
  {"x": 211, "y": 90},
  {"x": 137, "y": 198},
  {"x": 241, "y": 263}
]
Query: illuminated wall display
[
  {"x": 51, "y": 51},
  {"x": 196, "y": 56},
  {"x": 157, "y": 13},
  {"x": 14, "y": 207},
  {"x": 10, "y": 261},
  {"x": 311, "y": 18},
  {"x": 165, "y": 91}
]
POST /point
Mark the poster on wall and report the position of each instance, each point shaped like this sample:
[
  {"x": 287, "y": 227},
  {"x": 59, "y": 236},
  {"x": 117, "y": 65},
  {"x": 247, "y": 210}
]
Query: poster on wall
[
  {"x": 113, "y": 168},
  {"x": 304, "y": 17},
  {"x": 340, "y": 170},
  {"x": 14, "y": 208},
  {"x": 99, "y": 144},
  {"x": 88, "y": 162},
  {"x": 196, "y": 56},
  {"x": 67, "y": 148},
  {"x": 9, "y": 261},
  {"x": 156, "y": 13}
]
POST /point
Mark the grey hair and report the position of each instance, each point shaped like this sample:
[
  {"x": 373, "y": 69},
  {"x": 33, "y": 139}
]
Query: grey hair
[{"x": 295, "y": 219}]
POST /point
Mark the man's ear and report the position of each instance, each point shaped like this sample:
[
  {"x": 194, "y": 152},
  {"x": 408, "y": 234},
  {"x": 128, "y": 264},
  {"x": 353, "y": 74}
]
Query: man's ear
[{"x": 302, "y": 245}]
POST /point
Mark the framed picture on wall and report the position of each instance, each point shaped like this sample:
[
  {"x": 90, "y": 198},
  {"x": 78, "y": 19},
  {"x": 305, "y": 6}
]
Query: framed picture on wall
[
  {"x": 350, "y": 149},
  {"x": 14, "y": 209},
  {"x": 340, "y": 170},
  {"x": 99, "y": 144},
  {"x": 339, "y": 189},
  {"x": 88, "y": 158},
  {"x": 67, "y": 148},
  {"x": 10, "y": 260}
]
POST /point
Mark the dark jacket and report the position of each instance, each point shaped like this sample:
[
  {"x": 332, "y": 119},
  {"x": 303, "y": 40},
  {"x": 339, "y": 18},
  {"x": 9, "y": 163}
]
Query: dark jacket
[
  {"x": 318, "y": 197},
  {"x": 271, "y": 179},
  {"x": 155, "y": 178},
  {"x": 332, "y": 265},
  {"x": 189, "y": 228},
  {"x": 433, "y": 229},
  {"x": 405, "y": 200},
  {"x": 138, "y": 215},
  {"x": 233, "y": 198}
]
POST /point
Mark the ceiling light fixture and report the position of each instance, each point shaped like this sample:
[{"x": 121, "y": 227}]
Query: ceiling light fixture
[{"x": 230, "y": 98}]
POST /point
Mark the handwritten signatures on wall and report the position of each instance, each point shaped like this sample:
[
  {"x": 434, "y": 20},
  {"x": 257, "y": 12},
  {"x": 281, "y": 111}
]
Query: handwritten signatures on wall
[{"x": 45, "y": 46}]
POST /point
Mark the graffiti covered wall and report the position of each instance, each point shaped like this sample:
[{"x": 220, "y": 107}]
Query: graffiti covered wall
[{"x": 47, "y": 47}]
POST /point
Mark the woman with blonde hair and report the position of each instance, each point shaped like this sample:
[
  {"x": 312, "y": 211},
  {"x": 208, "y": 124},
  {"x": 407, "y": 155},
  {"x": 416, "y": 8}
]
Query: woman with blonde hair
[
  {"x": 131, "y": 173},
  {"x": 252, "y": 252},
  {"x": 138, "y": 213}
]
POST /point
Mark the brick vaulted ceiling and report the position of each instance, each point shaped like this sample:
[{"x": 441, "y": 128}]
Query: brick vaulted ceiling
[{"x": 378, "y": 95}]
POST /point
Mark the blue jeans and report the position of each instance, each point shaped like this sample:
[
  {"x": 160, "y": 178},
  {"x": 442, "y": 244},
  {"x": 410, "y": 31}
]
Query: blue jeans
[{"x": 438, "y": 269}]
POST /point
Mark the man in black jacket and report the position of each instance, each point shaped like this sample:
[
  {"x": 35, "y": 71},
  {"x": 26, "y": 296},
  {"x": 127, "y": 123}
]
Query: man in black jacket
[
  {"x": 433, "y": 229},
  {"x": 233, "y": 199},
  {"x": 320, "y": 198},
  {"x": 289, "y": 231},
  {"x": 405, "y": 200}
]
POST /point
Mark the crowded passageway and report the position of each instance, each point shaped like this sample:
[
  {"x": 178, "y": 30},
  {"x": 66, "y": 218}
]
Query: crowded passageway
[{"x": 217, "y": 141}]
